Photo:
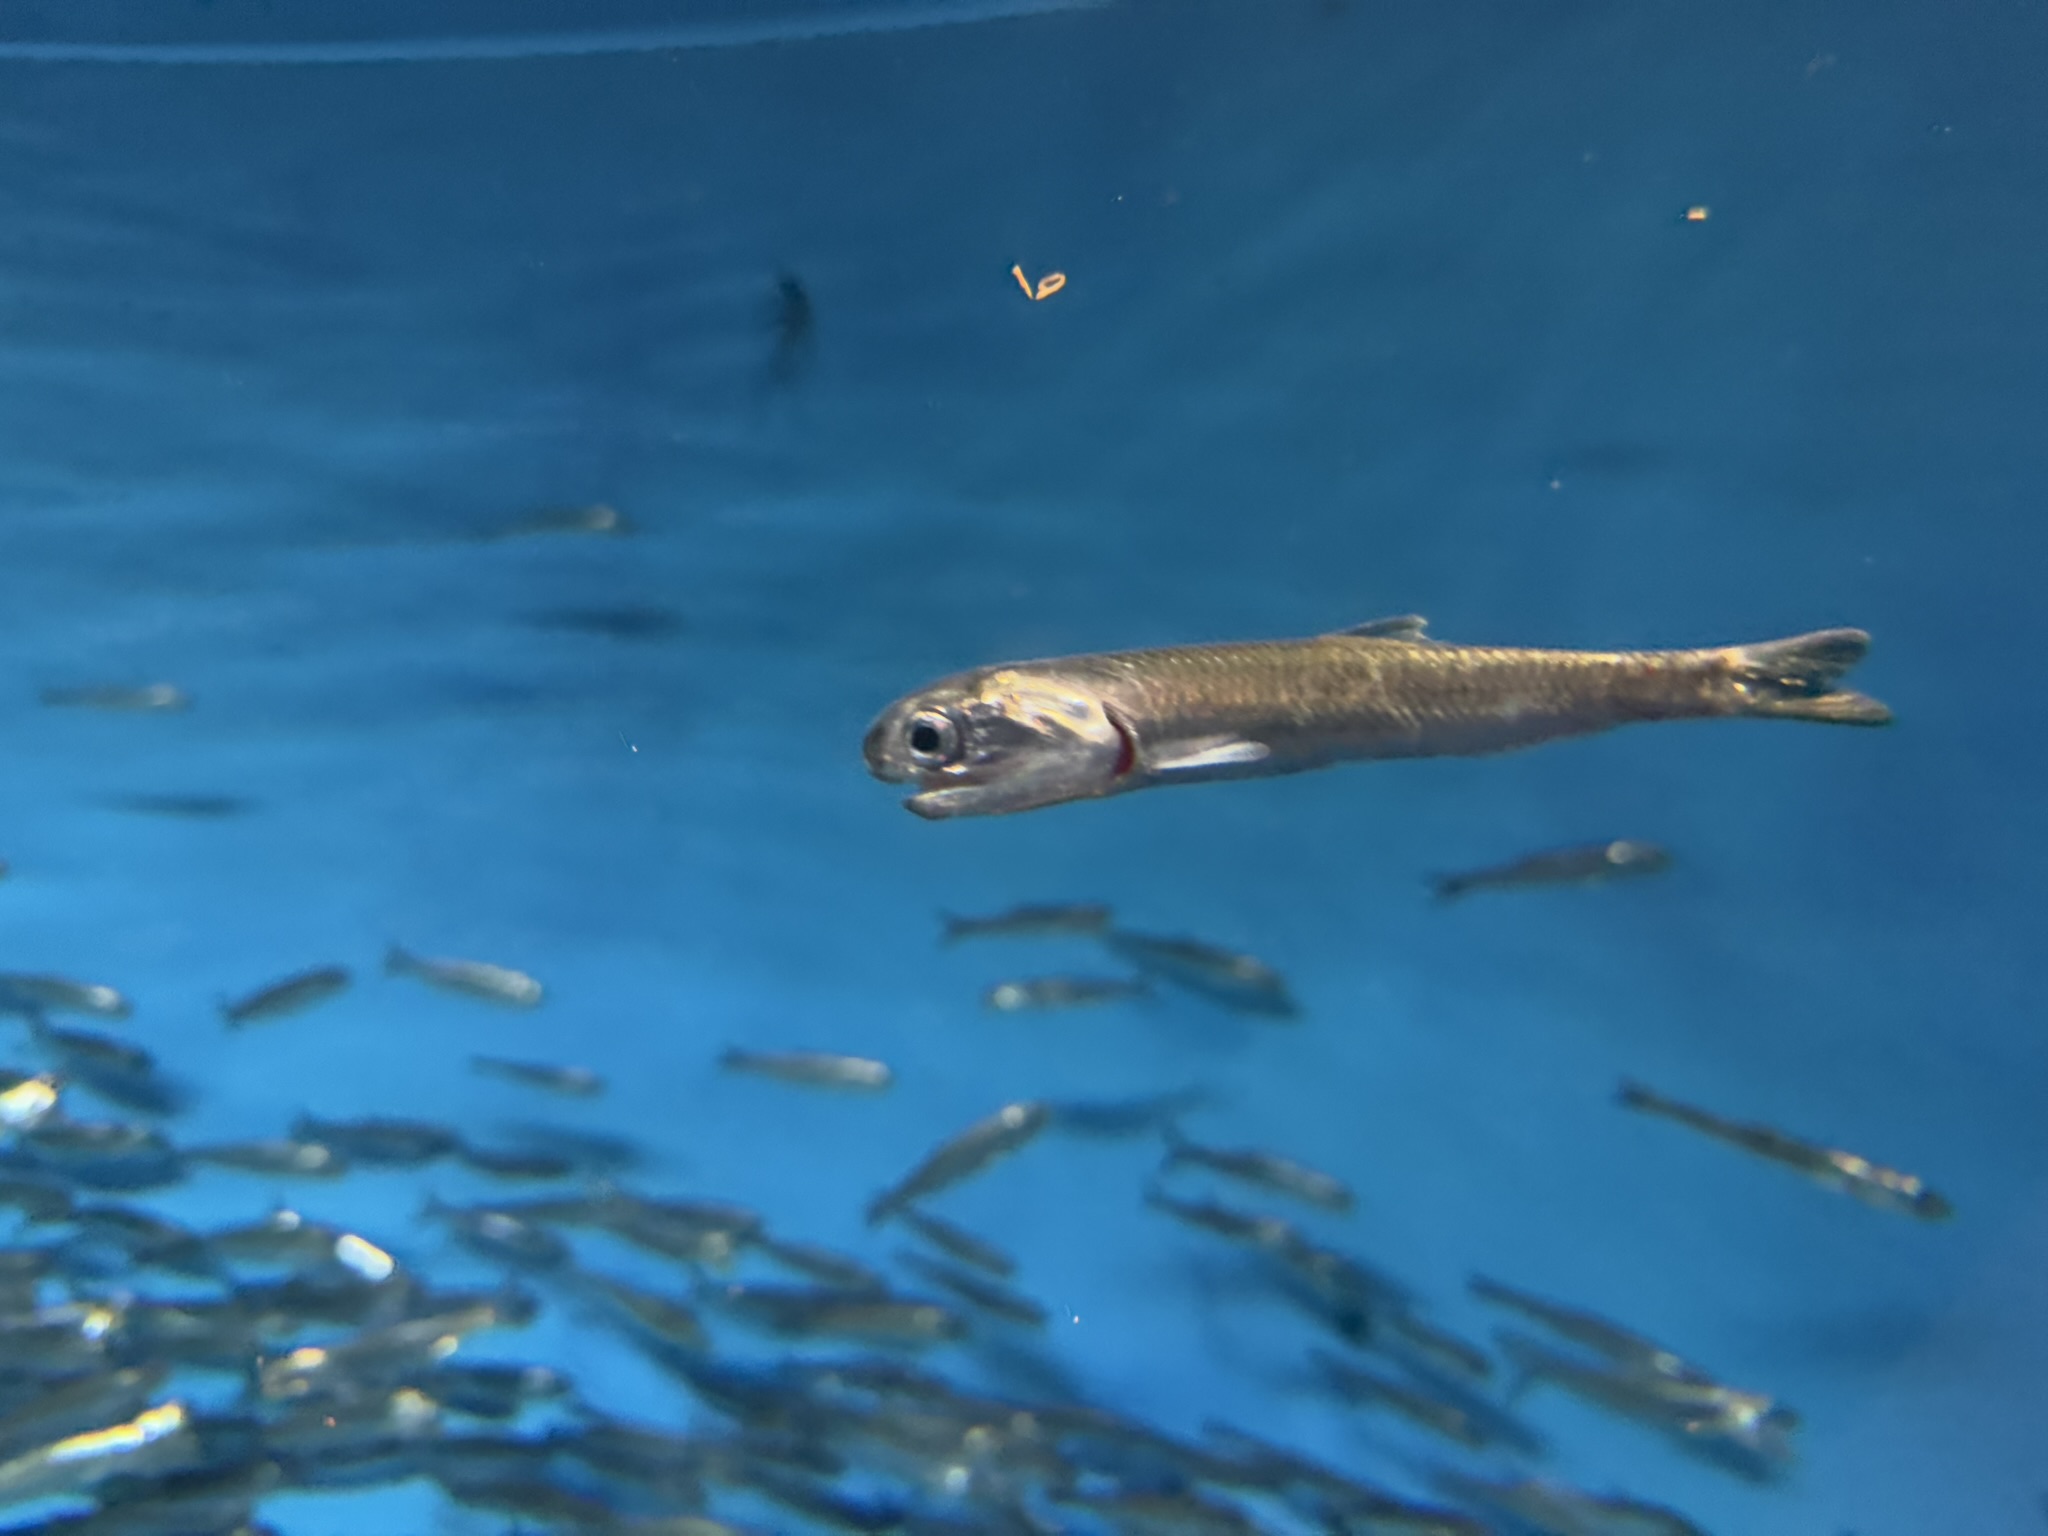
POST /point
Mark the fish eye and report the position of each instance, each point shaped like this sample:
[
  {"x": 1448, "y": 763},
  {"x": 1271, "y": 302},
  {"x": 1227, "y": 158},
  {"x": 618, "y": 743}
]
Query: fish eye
[{"x": 933, "y": 739}]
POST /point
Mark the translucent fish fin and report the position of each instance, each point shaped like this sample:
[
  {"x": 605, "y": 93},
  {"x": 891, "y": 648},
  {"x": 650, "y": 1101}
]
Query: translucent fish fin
[
  {"x": 1795, "y": 679},
  {"x": 1402, "y": 626}
]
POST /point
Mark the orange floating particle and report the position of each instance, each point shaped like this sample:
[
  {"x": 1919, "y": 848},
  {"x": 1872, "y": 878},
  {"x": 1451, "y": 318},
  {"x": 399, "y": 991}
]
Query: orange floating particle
[
  {"x": 1697, "y": 213},
  {"x": 1048, "y": 285}
]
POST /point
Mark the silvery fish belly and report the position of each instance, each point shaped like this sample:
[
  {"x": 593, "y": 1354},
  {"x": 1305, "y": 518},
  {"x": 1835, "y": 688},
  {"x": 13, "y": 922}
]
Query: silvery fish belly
[{"x": 1021, "y": 735}]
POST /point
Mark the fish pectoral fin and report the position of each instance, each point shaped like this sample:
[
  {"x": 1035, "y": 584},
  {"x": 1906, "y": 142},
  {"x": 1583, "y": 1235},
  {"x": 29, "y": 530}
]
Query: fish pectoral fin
[
  {"x": 1402, "y": 626},
  {"x": 1209, "y": 752}
]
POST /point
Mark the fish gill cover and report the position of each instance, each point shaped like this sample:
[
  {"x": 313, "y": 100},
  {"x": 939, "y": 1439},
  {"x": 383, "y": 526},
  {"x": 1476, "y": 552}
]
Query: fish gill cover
[{"x": 480, "y": 1051}]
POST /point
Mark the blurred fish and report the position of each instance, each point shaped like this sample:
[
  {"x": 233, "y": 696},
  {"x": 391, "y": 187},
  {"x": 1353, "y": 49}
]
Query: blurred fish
[
  {"x": 1238, "y": 982},
  {"x": 282, "y": 1157},
  {"x": 1357, "y": 1385},
  {"x": 1269, "y": 1234},
  {"x": 1552, "y": 1507},
  {"x": 817, "y": 1312},
  {"x": 978, "y": 1291},
  {"x": 1843, "y": 1172},
  {"x": 102, "y": 1154},
  {"x": 1590, "y": 864},
  {"x": 591, "y": 1151},
  {"x": 822, "y": 1264},
  {"x": 1752, "y": 1431},
  {"x": 571, "y": 1082},
  {"x": 1127, "y": 1119},
  {"x": 1085, "y": 919},
  {"x": 150, "y": 697},
  {"x": 810, "y": 1069},
  {"x": 518, "y": 1163},
  {"x": 663, "y": 1317},
  {"x": 1021, "y": 735},
  {"x": 145, "y": 1239},
  {"x": 293, "y": 994},
  {"x": 795, "y": 328},
  {"x": 36, "y": 1200},
  {"x": 386, "y": 1141},
  {"x": 974, "y": 1150},
  {"x": 1044, "y": 993},
  {"x": 184, "y": 807},
  {"x": 1629, "y": 1350},
  {"x": 1267, "y": 1170},
  {"x": 21, "y": 992},
  {"x": 501, "y": 1236},
  {"x": 80, "y": 1404},
  {"x": 623, "y": 622},
  {"x": 597, "y": 519},
  {"x": 284, "y": 1237},
  {"x": 958, "y": 1242},
  {"x": 113, "y": 1069},
  {"x": 155, "y": 1440},
  {"x": 468, "y": 978}
]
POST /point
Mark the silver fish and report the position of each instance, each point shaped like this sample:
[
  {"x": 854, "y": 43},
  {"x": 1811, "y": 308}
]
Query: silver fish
[
  {"x": 974, "y": 1149},
  {"x": 1242, "y": 983},
  {"x": 1844, "y": 1172},
  {"x": 1021, "y": 735},
  {"x": 1268, "y": 1170},
  {"x": 24, "y": 992},
  {"x": 811, "y": 1069},
  {"x": 471, "y": 978},
  {"x": 597, "y": 518},
  {"x": 1042, "y": 994},
  {"x": 1033, "y": 920},
  {"x": 958, "y": 1242},
  {"x": 1588, "y": 864},
  {"x": 574, "y": 1082},
  {"x": 150, "y": 697},
  {"x": 294, "y": 994}
]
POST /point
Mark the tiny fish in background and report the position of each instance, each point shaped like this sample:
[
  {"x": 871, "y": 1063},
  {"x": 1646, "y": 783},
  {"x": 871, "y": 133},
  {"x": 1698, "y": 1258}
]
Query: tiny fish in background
[
  {"x": 149, "y": 698},
  {"x": 21, "y": 992},
  {"x": 795, "y": 326},
  {"x": 596, "y": 520},
  {"x": 1021, "y": 735},
  {"x": 1241, "y": 983},
  {"x": 572, "y": 1082},
  {"x": 1047, "y": 993},
  {"x": 1588, "y": 864},
  {"x": 1032, "y": 921},
  {"x": 468, "y": 978},
  {"x": 280, "y": 1157},
  {"x": 184, "y": 807},
  {"x": 1843, "y": 1172},
  {"x": 294, "y": 994},
  {"x": 973, "y": 1151},
  {"x": 810, "y": 1069},
  {"x": 1266, "y": 1170}
]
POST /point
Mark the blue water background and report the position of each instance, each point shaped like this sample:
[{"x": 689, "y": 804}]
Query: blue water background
[{"x": 1371, "y": 308}]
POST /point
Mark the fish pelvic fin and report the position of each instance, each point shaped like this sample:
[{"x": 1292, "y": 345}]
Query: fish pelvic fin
[{"x": 1795, "y": 679}]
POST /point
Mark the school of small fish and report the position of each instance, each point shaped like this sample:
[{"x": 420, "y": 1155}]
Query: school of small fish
[{"x": 159, "y": 1379}]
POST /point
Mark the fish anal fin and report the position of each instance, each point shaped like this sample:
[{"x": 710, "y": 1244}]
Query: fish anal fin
[{"x": 1402, "y": 626}]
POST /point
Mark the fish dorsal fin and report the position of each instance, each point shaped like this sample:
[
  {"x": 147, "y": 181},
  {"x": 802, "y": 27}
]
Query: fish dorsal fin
[
  {"x": 1402, "y": 626},
  {"x": 1209, "y": 752}
]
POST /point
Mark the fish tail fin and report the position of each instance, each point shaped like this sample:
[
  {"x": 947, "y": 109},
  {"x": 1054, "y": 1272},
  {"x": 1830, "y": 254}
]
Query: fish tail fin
[
  {"x": 1795, "y": 679},
  {"x": 1445, "y": 889},
  {"x": 396, "y": 961},
  {"x": 951, "y": 929}
]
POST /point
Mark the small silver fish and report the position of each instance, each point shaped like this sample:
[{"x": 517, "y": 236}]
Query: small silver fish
[
  {"x": 975, "y": 1149},
  {"x": 1042, "y": 994},
  {"x": 958, "y": 1242},
  {"x": 25, "y": 992},
  {"x": 1268, "y": 1170},
  {"x": 281, "y": 1157},
  {"x": 383, "y": 1141},
  {"x": 811, "y": 1312},
  {"x": 1022, "y": 735},
  {"x": 293, "y": 994},
  {"x": 1845, "y": 1173},
  {"x": 978, "y": 1291},
  {"x": 155, "y": 1440},
  {"x": 1033, "y": 920},
  {"x": 1589, "y": 864},
  {"x": 573, "y": 1082},
  {"x": 810, "y": 1069},
  {"x": 469, "y": 978},
  {"x": 663, "y": 1317},
  {"x": 1545, "y": 1506},
  {"x": 596, "y": 519},
  {"x": 1589, "y": 1330},
  {"x": 151, "y": 697},
  {"x": 1239, "y": 982}
]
